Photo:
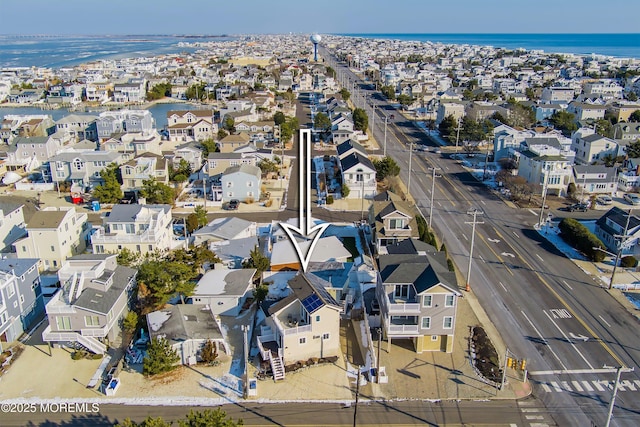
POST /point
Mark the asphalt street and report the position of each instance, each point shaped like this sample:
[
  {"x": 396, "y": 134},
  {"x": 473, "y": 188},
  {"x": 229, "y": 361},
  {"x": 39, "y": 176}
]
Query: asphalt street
[{"x": 547, "y": 310}]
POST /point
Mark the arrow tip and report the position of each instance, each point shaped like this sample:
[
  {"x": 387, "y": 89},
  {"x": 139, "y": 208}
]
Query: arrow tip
[{"x": 304, "y": 256}]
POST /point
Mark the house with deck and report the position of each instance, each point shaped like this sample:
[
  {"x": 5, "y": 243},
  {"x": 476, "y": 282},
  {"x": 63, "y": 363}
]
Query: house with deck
[{"x": 304, "y": 324}]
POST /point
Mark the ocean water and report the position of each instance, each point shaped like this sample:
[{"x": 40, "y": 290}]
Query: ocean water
[
  {"x": 619, "y": 45},
  {"x": 65, "y": 51}
]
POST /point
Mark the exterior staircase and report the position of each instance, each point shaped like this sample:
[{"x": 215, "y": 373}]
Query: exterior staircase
[
  {"x": 92, "y": 344},
  {"x": 277, "y": 366}
]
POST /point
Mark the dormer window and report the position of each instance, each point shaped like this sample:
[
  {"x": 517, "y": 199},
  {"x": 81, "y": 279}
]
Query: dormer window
[{"x": 396, "y": 224}]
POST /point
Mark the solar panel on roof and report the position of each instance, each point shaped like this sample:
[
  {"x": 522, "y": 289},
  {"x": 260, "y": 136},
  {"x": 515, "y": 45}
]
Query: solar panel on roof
[{"x": 311, "y": 303}]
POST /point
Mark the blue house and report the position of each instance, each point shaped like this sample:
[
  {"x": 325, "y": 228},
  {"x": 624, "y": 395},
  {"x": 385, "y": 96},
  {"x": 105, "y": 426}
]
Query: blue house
[{"x": 241, "y": 183}]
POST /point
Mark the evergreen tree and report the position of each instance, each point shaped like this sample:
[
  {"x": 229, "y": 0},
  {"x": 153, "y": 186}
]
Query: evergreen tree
[
  {"x": 160, "y": 358},
  {"x": 258, "y": 261},
  {"x": 360, "y": 120},
  {"x": 110, "y": 191}
]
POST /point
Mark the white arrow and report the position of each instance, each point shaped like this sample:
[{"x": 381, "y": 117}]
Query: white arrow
[
  {"x": 508, "y": 254},
  {"x": 494, "y": 240},
  {"x": 304, "y": 228},
  {"x": 579, "y": 337}
]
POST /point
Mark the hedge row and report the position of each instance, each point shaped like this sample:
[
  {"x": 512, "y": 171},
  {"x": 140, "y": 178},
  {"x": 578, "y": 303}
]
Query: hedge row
[{"x": 579, "y": 236}]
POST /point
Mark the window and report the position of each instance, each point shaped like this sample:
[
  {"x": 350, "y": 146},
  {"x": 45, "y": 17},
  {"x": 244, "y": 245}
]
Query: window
[
  {"x": 317, "y": 318},
  {"x": 3, "y": 318},
  {"x": 91, "y": 321},
  {"x": 138, "y": 248},
  {"x": 395, "y": 224},
  {"x": 10, "y": 290},
  {"x": 434, "y": 338},
  {"x": 63, "y": 323},
  {"x": 426, "y": 322},
  {"x": 229, "y": 184},
  {"x": 449, "y": 300},
  {"x": 448, "y": 322},
  {"x": 53, "y": 249},
  {"x": 302, "y": 340},
  {"x": 426, "y": 300},
  {"x": 15, "y": 304},
  {"x": 78, "y": 164},
  {"x": 402, "y": 291},
  {"x": 325, "y": 336}
]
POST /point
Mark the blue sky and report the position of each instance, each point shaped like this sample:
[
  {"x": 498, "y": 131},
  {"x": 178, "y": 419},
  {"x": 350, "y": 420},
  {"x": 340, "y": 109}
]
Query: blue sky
[{"x": 328, "y": 16}]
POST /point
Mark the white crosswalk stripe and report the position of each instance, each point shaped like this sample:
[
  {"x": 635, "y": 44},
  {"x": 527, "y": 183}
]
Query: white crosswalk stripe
[{"x": 593, "y": 386}]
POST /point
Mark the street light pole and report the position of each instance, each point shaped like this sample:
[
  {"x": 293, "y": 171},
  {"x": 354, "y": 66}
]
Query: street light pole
[
  {"x": 475, "y": 212},
  {"x": 544, "y": 195},
  {"x": 433, "y": 185},
  {"x": 620, "y": 246},
  {"x": 457, "y": 137},
  {"x": 613, "y": 396}
]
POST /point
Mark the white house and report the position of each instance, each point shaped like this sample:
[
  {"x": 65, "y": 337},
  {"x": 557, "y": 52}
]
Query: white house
[
  {"x": 224, "y": 291},
  {"x": 359, "y": 174}
]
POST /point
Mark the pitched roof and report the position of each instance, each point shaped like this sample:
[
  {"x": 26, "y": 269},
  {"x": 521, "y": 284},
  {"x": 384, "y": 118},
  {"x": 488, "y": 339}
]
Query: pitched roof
[
  {"x": 101, "y": 301},
  {"x": 224, "y": 228},
  {"x": 182, "y": 322},
  {"x": 424, "y": 271},
  {"x": 225, "y": 282},
  {"x": 248, "y": 169},
  {"x": 46, "y": 219},
  {"x": 354, "y": 159}
]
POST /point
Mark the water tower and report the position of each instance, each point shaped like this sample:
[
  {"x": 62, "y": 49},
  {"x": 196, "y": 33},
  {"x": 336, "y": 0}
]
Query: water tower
[{"x": 315, "y": 39}]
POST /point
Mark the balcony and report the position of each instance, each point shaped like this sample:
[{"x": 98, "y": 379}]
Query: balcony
[
  {"x": 409, "y": 330},
  {"x": 291, "y": 326},
  {"x": 401, "y": 305}
]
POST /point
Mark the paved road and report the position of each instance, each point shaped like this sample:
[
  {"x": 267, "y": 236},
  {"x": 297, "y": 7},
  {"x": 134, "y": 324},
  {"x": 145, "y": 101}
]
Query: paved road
[
  {"x": 547, "y": 310},
  {"x": 407, "y": 413}
]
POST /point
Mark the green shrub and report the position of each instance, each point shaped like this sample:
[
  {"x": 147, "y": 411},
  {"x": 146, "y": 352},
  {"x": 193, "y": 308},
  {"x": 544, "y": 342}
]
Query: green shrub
[
  {"x": 329, "y": 199},
  {"x": 579, "y": 237},
  {"x": 629, "y": 261}
]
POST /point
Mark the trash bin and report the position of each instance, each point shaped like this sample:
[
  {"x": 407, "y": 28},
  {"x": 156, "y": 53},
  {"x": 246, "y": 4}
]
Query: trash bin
[{"x": 95, "y": 205}]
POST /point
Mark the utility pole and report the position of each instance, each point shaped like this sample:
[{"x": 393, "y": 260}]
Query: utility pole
[
  {"x": 355, "y": 409},
  {"x": 613, "y": 397},
  {"x": 245, "y": 330},
  {"x": 504, "y": 370},
  {"x": 362, "y": 199},
  {"x": 544, "y": 195},
  {"x": 409, "y": 180},
  {"x": 384, "y": 153},
  {"x": 621, "y": 245},
  {"x": 378, "y": 356},
  {"x": 373, "y": 116},
  {"x": 457, "y": 137},
  {"x": 433, "y": 187},
  {"x": 475, "y": 212}
]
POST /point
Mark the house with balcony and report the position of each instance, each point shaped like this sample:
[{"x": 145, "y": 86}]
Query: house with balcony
[
  {"x": 359, "y": 175},
  {"x": 145, "y": 167},
  {"x": 593, "y": 147},
  {"x": 81, "y": 168},
  {"x": 217, "y": 163},
  {"x": 594, "y": 180},
  {"x": 53, "y": 235},
  {"x": 544, "y": 161},
  {"x": 92, "y": 301},
  {"x": 304, "y": 324},
  {"x": 187, "y": 328},
  {"x": 78, "y": 127},
  {"x": 191, "y": 125},
  {"x": 417, "y": 295},
  {"x": 21, "y": 299},
  {"x": 189, "y": 152},
  {"x": 392, "y": 221},
  {"x": 117, "y": 122},
  {"x": 139, "y": 228},
  {"x": 610, "y": 229}
]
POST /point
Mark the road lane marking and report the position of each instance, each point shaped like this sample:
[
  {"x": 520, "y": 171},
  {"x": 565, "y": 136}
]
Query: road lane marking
[
  {"x": 568, "y": 285},
  {"x": 577, "y": 386},
  {"x": 605, "y": 322},
  {"x": 628, "y": 384},
  {"x": 560, "y": 313},
  {"x": 545, "y": 387},
  {"x": 568, "y": 340},
  {"x": 532, "y": 212},
  {"x": 534, "y": 417},
  {"x": 539, "y": 257},
  {"x": 597, "y": 385},
  {"x": 587, "y": 385},
  {"x": 505, "y": 289},
  {"x": 530, "y": 409},
  {"x": 515, "y": 234},
  {"x": 556, "y": 387},
  {"x": 543, "y": 339}
]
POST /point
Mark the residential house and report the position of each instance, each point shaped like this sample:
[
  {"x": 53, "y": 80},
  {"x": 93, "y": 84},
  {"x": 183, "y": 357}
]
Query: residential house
[
  {"x": 133, "y": 144},
  {"x": 622, "y": 111},
  {"x": 217, "y": 163},
  {"x": 304, "y": 324},
  {"x": 629, "y": 176},
  {"x": 187, "y": 328},
  {"x": 92, "y": 301},
  {"x": 115, "y": 122},
  {"x": 480, "y": 110},
  {"x": 224, "y": 291},
  {"x": 189, "y": 152},
  {"x": 191, "y": 125},
  {"x": 12, "y": 225},
  {"x": 585, "y": 111},
  {"x": 342, "y": 128},
  {"x": 53, "y": 235},
  {"x": 222, "y": 229},
  {"x": 545, "y": 110},
  {"x": 327, "y": 249},
  {"x": 231, "y": 143},
  {"x": 260, "y": 133},
  {"x": 349, "y": 147},
  {"x": 234, "y": 253},
  {"x": 40, "y": 148},
  {"x": 145, "y": 167},
  {"x": 626, "y": 131},
  {"x": 21, "y": 300},
  {"x": 130, "y": 92},
  {"x": 593, "y": 148},
  {"x": 542, "y": 162},
  {"x": 594, "y": 180},
  {"x": 241, "y": 183},
  {"x": 450, "y": 108},
  {"x": 359, "y": 175},
  {"x": 141, "y": 229},
  {"x": 417, "y": 295},
  {"x": 78, "y": 127},
  {"x": 506, "y": 140},
  {"x": 610, "y": 229},
  {"x": 392, "y": 221},
  {"x": 558, "y": 94},
  {"x": 81, "y": 168}
]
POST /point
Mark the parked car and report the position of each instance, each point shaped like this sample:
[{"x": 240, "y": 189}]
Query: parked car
[
  {"x": 604, "y": 200},
  {"x": 632, "y": 198},
  {"x": 233, "y": 205},
  {"x": 578, "y": 207}
]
